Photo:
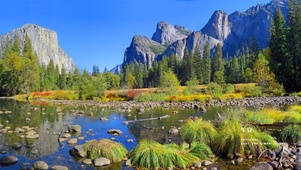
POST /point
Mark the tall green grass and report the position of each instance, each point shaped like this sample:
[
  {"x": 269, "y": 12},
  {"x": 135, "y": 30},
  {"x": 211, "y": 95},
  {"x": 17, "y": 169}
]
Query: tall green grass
[
  {"x": 201, "y": 150},
  {"x": 198, "y": 131},
  {"x": 152, "y": 155},
  {"x": 291, "y": 133},
  {"x": 113, "y": 151},
  {"x": 232, "y": 138}
]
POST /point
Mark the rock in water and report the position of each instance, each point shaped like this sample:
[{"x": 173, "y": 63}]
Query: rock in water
[
  {"x": 40, "y": 165},
  {"x": 8, "y": 160},
  {"x": 78, "y": 151},
  {"x": 115, "y": 131},
  {"x": 102, "y": 161},
  {"x": 59, "y": 167},
  {"x": 74, "y": 128},
  {"x": 262, "y": 166}
]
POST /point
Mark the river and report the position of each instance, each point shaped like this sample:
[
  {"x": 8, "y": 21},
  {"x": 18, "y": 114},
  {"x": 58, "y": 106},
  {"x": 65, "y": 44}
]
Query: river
[{"x": 49, "y": 123}]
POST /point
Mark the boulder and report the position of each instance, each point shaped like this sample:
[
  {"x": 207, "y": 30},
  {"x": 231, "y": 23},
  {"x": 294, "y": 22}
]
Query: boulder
[
  {"x": 115, "y": 131},
  {"x": 102, "y": 161},
  {"x": 40, "y": 165},
  {"x": 8, "y": 160},
  {"x": 74, "y": 128},
  {"x": 262, "y": 166},
  {"x": 78, "y": 151}
]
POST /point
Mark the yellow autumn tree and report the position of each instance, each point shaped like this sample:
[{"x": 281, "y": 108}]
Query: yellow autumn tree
[{"x": 262, "y": 75}]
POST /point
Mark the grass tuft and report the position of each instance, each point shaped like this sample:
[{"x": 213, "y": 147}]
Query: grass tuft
[
  {"x": 113, "y": 151},
  {"x": 234, "y": 138},
  {"x": 152, "y": 155},
  {"x": 291, "y": 133},
  {"x": 198, "y": 131}
]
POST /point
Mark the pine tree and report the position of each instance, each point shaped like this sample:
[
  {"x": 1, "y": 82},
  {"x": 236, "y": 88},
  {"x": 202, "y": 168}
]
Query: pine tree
[
  {"x": 95, "y": 70},
  {"x": 293, "y": 61},
  {"x": 30, "y": 76},
  {"x": 278, "y": 46},
  {"x": 197, "y": 65},
  {"x": 63, "y": 79},
  {"x": 234, "y": 71},
  {"x": 207, "y": 64},
  {"x": 218, "y": 69}
]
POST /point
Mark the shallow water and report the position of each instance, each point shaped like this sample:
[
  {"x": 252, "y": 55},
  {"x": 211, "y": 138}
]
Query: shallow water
[{"x": 48, "y": 123}]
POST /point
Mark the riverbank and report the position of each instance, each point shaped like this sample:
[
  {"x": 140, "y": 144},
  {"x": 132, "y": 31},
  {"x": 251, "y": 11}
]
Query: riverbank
[{"x": 257, "y": 102}]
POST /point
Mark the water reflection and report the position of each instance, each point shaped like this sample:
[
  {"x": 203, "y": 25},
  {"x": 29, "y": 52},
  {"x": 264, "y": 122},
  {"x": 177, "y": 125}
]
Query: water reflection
[{"x": 49, "y": 123}]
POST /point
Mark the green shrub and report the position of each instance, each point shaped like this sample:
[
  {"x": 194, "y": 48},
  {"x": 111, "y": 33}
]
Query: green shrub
[
  {"x": 229, "y": 88},
  {"x": 251, "y": 91},
  {"x": 113, "y": 151},
  {"x": 214, "y": 89}
]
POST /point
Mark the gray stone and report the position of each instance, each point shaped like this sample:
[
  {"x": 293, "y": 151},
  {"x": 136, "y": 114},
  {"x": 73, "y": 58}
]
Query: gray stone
[
  {"x": 78, "y": 151},
  {"x": 74, "y": 128},
  {"x": 40, "y": 165},
  {"x": 173, "y": 130},
  {"x": 34, "y": 151},
  {"x": 102, "y": 161},
  {"x": 87, "y": 161},
  {"x": 59, "y": 167},
  {"x": 72, "y": 141},
  {"x": 262, "y": 166},
  {"x": 115, "y": 131},
  {"x": 66, "y": 135},
  {"x": 8, "y": 160},
  {"x": 16, "y": 145},
  {"x": 2, "y": 151},
  {"x": 239, "y": 161},
  {"x": 197, "y": 164},
  {"x": 206, "y": 163},
  {"x": 3, "y": 131}
]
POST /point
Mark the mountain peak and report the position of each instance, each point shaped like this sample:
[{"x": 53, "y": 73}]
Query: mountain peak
[
  {"x": 218, "y": 26},
  {"x": 167, "y": 34}
]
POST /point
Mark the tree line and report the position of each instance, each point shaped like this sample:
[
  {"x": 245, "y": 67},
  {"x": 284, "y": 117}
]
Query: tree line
[{"x": 270, "y": 68}]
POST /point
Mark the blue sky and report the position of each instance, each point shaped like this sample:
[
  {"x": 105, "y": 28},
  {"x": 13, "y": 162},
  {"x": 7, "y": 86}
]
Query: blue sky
[{"x": 96, "y": 32}]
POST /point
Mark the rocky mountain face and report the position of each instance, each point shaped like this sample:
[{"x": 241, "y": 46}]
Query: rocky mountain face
[
  {"x": 233, "y": 32},
  {"x": 44, "y": 44}
]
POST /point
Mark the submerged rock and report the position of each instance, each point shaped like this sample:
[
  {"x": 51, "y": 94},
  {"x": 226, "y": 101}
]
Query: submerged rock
[
  {"x": 8, "y": 160},
  {"x": 262, "y": 166}
]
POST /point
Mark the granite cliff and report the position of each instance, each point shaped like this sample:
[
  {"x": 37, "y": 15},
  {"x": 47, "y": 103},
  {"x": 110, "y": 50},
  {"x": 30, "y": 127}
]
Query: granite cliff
[
  {"x": 233, "y": 32},
  {"x": 44, "y": 43}
]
